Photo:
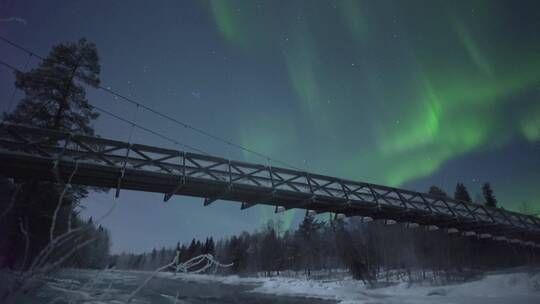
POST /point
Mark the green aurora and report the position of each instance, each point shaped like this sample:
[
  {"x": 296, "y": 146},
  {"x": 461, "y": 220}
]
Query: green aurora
[{"x": 406, "y": 86}]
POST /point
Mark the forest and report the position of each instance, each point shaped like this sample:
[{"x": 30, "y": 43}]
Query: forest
[{"x": 369, "y": 250}]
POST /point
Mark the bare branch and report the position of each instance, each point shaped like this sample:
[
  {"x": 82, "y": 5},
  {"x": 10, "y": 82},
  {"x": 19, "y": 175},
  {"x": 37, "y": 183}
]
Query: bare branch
[
  {"x": 71, "y": 212},
  {"x": 208, "y": 258},
  {"x": 60, "y": 240},
  {"x": 24, "y": 230},
  {"x": 150, "y": 277},
  {"x": 61, "y": 260},
  {"x": 60, "y": 199},
  {"x": 69, "y": 215},
  {"x": 55, "y": 243},
  {"x": 70, "y": 238},
  {"x": 184, "y": 267},
  {"x": 12, "y": 201}
]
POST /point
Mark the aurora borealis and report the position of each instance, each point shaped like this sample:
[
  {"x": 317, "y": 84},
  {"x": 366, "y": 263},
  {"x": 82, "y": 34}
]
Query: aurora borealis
[
  {"x": 415, "y": 85},
  {"x": 401, "y": 93},
  {"x": 427, "y": 106}
]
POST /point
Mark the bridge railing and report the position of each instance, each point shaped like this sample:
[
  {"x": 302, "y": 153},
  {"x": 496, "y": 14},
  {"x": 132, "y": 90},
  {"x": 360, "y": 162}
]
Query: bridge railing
[{"x": 308, "y": 189}]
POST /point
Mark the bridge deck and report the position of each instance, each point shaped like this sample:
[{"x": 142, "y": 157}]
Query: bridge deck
[{"x": 46, "y": 154}]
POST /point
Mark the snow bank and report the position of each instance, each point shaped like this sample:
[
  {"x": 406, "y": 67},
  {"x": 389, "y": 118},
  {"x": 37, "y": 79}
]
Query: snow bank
[
  {"x": 504, "y": 288},
  {"x": 97, "y": 287},
  {"x": 202, "y": 278},
  {"x": 338, "y": 290},
  {"x": 498, "y": 288}
]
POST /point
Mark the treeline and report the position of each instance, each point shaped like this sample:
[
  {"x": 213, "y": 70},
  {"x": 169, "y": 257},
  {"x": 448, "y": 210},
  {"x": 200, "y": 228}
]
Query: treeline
[
  {"x": 368, "y": 250},
  {"x": 371, "y": 251},
  {"x": 462, "y": 194},
  {"x": 157, "y": 258}
]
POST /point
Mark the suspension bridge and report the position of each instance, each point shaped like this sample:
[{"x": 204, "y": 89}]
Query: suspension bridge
[
  {"x": 27, "y": 152},
  {"x": 38, "y": 153}
]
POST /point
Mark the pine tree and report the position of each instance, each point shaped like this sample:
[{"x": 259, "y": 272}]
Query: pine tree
[
  {"x": 209, "y": 246},
  {"x": 309, "y": 227},
  {"x": 154, "y": 255},
  {"x": 54, "y": 98},
  {"x": 349, "y": 254},
  {"x": 192, "y": 250},
  {"x": 489, "y": 197},
  {"x": 308, "y": 231},
  {"x": 183, "y": 253},
  {"x": 163, "y": 256},
  {"x": 461, "y": 193},
  {"x": 270, "y": 251},
  {"x": 437, "y": 192},
  {"x": 100, "y": 248},
  {"x": 237, "y": 253}
]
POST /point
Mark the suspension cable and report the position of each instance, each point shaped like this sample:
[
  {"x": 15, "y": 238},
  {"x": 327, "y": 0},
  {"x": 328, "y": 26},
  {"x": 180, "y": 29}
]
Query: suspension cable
[
  {"x": 12, "y": 97},
  {"x": 148, "y": 130},
  {"x": 165, "y": 116},
  {"x": 125, "y": 120}
]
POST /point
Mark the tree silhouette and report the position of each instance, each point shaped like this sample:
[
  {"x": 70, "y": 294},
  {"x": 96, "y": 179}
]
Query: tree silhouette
[
  {"x": 489, "y": 197},
  {"x": 308, "y": 231},
  {"x": 461, "y": 193},
  {"x": 55, "y": 95},
  {"x": 438, "y": 192}
]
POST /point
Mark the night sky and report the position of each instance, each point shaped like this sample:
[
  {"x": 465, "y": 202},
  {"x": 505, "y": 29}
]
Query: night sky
[{"x": 400, "y": 93}]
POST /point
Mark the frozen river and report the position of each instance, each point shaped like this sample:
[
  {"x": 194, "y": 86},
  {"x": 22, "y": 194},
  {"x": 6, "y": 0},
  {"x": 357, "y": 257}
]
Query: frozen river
[
  {"x": 114, "y": 287},
  {"x": 162, "y": 290}
]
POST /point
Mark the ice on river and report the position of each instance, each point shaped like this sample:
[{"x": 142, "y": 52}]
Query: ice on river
[
  {"x": 113, "y": 287},
  {"x": 495, "y": 288}
]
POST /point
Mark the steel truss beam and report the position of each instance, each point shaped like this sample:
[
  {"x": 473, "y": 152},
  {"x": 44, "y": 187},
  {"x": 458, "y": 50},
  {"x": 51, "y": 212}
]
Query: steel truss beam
[{"x": 48, "y": 154}]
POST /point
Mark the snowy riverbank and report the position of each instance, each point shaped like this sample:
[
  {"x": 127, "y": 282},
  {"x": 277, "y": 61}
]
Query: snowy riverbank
[
  {"x": 495, "y": 288},
  {"x": 115, "y": 286}
]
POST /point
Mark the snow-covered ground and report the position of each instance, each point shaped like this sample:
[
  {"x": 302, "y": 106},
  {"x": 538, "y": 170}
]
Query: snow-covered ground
[
  {"x": 496, "y": 288},
  {"x": 114, "y": 287},
  {"x": 514, "y": 288}
]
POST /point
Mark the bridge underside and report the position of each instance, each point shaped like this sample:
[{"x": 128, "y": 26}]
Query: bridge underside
[{"x": 27, "y": 152}]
